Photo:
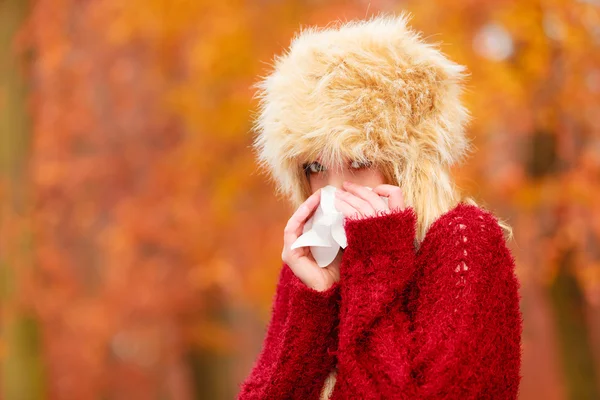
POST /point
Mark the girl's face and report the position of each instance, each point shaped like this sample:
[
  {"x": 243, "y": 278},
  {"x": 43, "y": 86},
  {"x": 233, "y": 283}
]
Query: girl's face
[{"x": 362, "y": 174}]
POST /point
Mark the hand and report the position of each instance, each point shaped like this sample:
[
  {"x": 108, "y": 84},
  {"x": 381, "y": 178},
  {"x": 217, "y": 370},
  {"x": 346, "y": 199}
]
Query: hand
[
  {"x": 358, "y": 202},
  {"x": 300, "y": 260}
]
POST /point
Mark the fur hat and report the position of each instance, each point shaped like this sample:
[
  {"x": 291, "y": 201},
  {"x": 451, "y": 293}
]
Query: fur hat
[{"x": 366, "y": 90}]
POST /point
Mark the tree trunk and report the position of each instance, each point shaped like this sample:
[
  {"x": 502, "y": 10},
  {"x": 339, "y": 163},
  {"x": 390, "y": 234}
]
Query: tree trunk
[
  {"x": 574, "y": 340},
  {"x": 21, "y": 364}
]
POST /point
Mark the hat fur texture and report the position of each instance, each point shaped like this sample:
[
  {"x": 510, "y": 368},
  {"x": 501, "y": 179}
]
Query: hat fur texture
[{"x": 367, "y": 90}]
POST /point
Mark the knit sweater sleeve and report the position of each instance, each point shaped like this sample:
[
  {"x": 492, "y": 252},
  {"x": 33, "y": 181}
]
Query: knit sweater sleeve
[
  {"x": 455, "y": 333},
  {"x": 299, "y": 346}
]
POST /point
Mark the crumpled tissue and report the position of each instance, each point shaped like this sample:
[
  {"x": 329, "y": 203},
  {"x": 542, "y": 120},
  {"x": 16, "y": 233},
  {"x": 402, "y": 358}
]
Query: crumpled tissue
[{"x": 324, "y": 231}]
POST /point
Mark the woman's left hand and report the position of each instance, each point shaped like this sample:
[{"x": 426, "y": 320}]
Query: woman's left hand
[{"x": 359, "y": 202}]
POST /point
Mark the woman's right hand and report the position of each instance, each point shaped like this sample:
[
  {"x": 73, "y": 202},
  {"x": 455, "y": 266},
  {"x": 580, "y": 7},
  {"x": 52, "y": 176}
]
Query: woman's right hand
[{"x": 300, "y": 260}]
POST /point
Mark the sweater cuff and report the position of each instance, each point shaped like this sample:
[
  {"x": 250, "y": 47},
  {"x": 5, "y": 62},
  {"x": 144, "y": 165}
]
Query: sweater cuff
[
  {"x": 376, "y": 267},
  {"x": 324, "y": 303},
  {"x": 383, "y": 233}
]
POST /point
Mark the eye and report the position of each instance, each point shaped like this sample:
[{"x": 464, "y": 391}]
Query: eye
[
  {"x": 313, "y": 167},
  {"x": 359, "y": 165}
]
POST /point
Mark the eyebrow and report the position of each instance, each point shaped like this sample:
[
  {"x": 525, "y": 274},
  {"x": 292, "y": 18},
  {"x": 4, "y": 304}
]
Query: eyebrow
[
  {"x": 313, "y": 160},
  {"x": 307, "y": 163}
]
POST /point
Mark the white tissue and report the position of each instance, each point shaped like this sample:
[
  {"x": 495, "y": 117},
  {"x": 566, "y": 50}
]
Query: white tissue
[{"x": 324, "y": 231}]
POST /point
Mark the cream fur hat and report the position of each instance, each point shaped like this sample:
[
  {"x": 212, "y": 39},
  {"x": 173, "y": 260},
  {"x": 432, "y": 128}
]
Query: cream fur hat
[{"x": 366, "y": 90}]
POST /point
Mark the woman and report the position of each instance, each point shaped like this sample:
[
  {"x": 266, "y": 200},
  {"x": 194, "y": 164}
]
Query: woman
[{"x": 423, "y": 303}]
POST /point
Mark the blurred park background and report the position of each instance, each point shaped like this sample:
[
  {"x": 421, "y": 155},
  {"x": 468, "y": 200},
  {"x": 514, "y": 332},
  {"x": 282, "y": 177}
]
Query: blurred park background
[{"x": 140, "y": 245}]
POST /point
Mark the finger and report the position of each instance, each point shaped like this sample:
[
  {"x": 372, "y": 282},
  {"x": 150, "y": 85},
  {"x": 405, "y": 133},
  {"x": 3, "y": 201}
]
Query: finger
[
  {"x": 367, "y": 195},
  {"x": 296, "y": 222},
  {"x": 362, "y": 206},
  {"x": 346, "y": 209},
  {"x": 393, "y": 193}
]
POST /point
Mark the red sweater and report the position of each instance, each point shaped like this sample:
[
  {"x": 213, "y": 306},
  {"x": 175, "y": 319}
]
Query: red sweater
[{"x": 442, "y": 322}]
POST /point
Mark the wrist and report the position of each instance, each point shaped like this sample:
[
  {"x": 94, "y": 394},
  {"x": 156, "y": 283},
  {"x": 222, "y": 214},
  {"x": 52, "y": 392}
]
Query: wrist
[
  {"x": 321, "y": 287},
  {"x": 318, "y": 284}
]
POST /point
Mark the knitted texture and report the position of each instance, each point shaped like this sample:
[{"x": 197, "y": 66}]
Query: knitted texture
[
  {"x": 300, "y": 343},
  {"x": 442, "y": 322}
]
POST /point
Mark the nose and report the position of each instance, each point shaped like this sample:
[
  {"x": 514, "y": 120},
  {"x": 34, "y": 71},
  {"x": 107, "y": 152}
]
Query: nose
[{"x": 336, "y": 178}]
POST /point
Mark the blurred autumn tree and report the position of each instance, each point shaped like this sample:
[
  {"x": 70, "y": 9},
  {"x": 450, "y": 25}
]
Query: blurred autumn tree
[{"x": 144, "y": 243}]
